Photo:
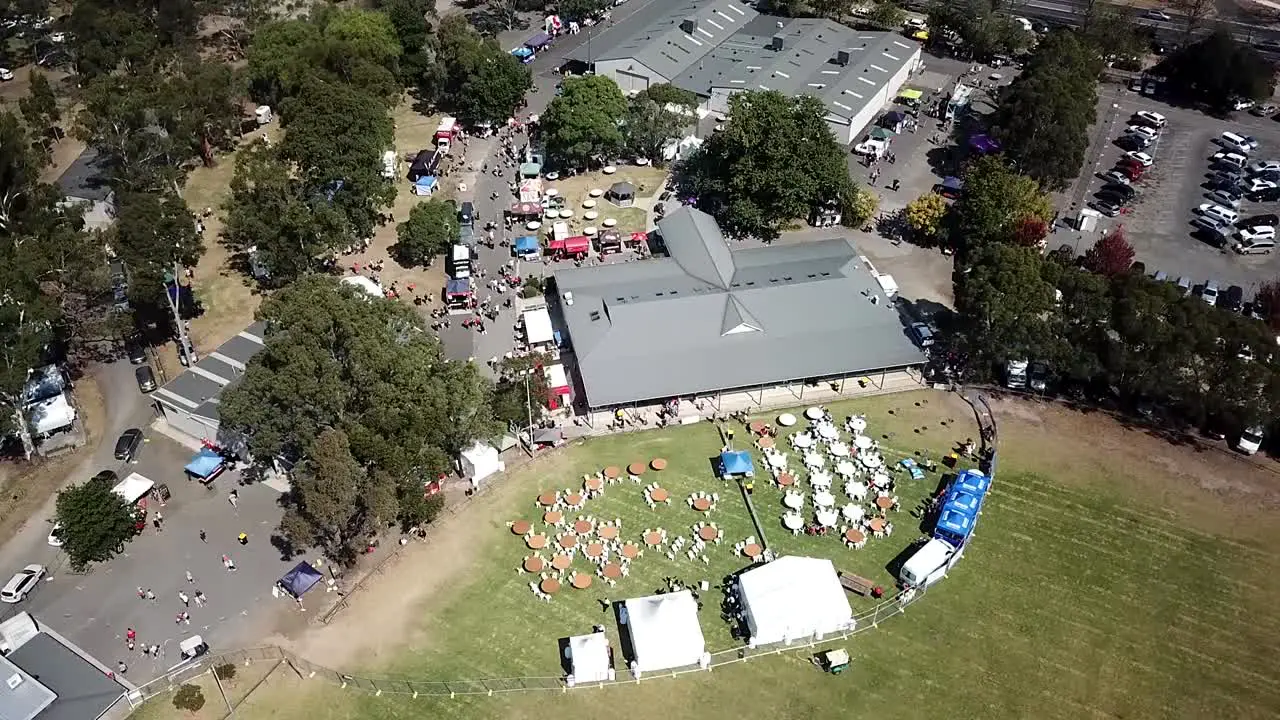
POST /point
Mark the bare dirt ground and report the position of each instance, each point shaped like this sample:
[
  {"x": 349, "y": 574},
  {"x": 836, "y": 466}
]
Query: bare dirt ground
[{"x": 25, "y": 487}]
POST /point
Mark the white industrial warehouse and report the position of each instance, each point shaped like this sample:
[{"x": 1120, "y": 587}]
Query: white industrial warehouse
[{"x": 716, "y": 48}]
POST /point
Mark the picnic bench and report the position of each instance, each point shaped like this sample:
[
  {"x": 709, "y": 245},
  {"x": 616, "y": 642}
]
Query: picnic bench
[{"x": 856, "y": 584}]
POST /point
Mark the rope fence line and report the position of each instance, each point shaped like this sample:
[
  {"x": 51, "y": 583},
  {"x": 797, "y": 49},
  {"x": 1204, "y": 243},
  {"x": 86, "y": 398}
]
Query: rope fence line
[{"x": 866, "y": 621}]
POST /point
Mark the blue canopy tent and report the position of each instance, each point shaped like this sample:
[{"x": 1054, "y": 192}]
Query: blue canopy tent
[
  {"x": 527, "y": 246},
  {"x": 964, "y": 502},
  {"x": 953, "y": 526},
  {"x": 300, "y": 579},
  {"x": 524, "y": 55},
  {"x": 736, "y": 463},
  {"x": 971, "y": 481},
  {"x": 537, "y": 42},
  {"x": 205, "y": 465},
  {"x": 892, "y": 120},
  {"x": 424, "y": 185}
]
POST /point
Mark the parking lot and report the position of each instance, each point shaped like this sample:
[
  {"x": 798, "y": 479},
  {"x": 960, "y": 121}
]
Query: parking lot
[
  {"x": 96, "y": 609},
  {"x": 1159, "y": 221}
]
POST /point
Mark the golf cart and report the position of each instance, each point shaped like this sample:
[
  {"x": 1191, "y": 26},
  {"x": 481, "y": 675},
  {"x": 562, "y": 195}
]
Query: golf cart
[
  {"x": 834, "y": 661},
  {"x": 193, "y": 647}
]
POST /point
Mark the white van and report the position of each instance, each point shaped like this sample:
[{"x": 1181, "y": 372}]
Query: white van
[
  {"x": 927, "y": 565},
  {"x": 1237, "y": 143},
  {"x": 460, "y": 262}
]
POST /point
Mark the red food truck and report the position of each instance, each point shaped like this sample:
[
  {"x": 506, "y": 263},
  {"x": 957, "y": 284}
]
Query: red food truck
[{"x": 576, "y": 247}]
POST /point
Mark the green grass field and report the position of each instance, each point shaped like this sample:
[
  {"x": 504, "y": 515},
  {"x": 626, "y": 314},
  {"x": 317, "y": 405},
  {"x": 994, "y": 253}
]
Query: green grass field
[{"x": 1077, "y": 599}]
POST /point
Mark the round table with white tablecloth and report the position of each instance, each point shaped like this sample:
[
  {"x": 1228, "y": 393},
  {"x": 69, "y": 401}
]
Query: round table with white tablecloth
[
  {"x": 795, "y": 501},
  {"x": 871, "y": 461},
  {"x": 802, "y": 440},
  {"x": 814, "y": 460},
  {"x": 824, "y": 499},
  {"x": 844, "y": 468},
  {"x": 776, "y": 460},
  {"x": 839, "y": 449},
  {"x": 881, "y": 480},
  {"x": 853, "y": 513},
  {"x": 813, "y": 413},
  {"x": 828, "y": 432},
  {"x": 827, "y": 518},
  {"x": 855, "y": 490},
  {"x": 862, "y": 442},
  {"x": 786, "y": 419},
  {"x": 792, "y": 521},
  {"x": 820, "y": 479},
  {"x": 857, "y": 424}
]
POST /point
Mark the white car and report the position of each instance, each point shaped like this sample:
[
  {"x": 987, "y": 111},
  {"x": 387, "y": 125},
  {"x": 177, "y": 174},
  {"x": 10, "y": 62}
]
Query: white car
[
  {"x": 1153, "y": 119},
  {"x": 1157, "y": 15},
  {"x": 1235, "y": 160},
  {"x": 1142, "y": 158},
  {"x": 1242, "y": 104},
  {"x": 1250, "y": 440},
  {"x": 1261, "y": 166},
  {"x": 1210, "y": 292},
  {"x": 6, "y": 74},
  {"x": 1142, "y": 131},
  {"x": 1250, "y": 235},
  {"x": 1257, "y": 185},
  {"x": 54, "y": 539},
  {"x": 21, "y": 584},
  {"x": 1212, "y": 225},
  {"x": 1217, "y": 212}
]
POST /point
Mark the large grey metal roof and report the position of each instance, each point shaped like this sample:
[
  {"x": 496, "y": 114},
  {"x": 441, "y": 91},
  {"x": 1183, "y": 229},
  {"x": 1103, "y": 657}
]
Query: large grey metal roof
[
  {"x": 806, "y": 63},
  {"x": 22, "y": 697},
  {"x": 710, "y": 319},
  {"x": 198, "y": 388},
  {"x": 84, "y": 179},
  {"x": 654, "y": 37},
  {"x": 82, "y": 690}
]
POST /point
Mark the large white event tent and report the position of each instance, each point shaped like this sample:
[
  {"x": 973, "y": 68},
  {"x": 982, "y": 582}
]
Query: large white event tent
[
  {"x": 792, "y": 598},
  {"x": 589, "y": 659},
  {"x": 664, "y": 631}
]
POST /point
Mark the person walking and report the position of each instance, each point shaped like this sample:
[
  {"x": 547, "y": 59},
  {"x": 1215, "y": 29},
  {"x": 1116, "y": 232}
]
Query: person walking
[
  {"x": 204, "y": 537},
  {"x": 121, "y": 667},
  {"x": 233, "y": 498},
  {"x": 243, "y": 538},
  {"x": 190, "y": 578},
  {"x": 142, "y": 594},
  {"x": 186, "y": 599},
  {"x": 150, "y": 595},
  {"x": 201, "y": 599},
  {"x": 130, "y": 635}
]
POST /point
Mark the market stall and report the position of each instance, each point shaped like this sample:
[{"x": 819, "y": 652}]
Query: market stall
[
  {"x": 526, "y": 247},
  {"x": 206, "y": 466}
]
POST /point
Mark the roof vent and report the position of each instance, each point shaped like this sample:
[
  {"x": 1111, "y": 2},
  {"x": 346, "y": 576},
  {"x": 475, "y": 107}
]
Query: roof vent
[
  {"x": 568, "y": 298},
  {"x": 842, "y": 58},
  {"x": 595, "y": 315},
  {"x": 776, "y": 43},
  {"x": 689, "y": 25},
  {"x": 13, "y": 681}
]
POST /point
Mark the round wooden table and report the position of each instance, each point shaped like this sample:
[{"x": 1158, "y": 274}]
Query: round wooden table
[
  {"x": 608, "y": 532},
  {"x": 659, "y": 464},
  {"x": 547, "y": 499},
  {"x": 582, "y": 527},
  {"x": 708, "y": 533},
  {"x": 757, "y": 427},
  {"x": 786, "y": 479},
  {"x": 593, "y": 483},
  {"x": 613, "y": 571},
  {"x": 854, "y": 536},
  {"x": 533, "y": 563},
  {"x": 550, "y": 586},
  {"x": 702, "y": 504},
  {"x": 752, "y": 551},
  {"x": 593, "y": 550},
  {"x": 581, "y": 581},
  {"x": 612, "y": 472},
  {"x": 630, "y": 551},
  {"x": 568, "y": 541},
  {"x": 636, "y": 468},
  {"x": 552, "y": 517},
  {"x": 653, "y": 539},
  {"x": 561, "y": 562},
  {"x": 521, "y": 527},
  {"x": 573, "y": 499},
  {"x": 876, "y": 525},
  {"x": 884, "y": 502},
  {"x": 766, "y": 442},
  {"x": 536, "y": 542},
  {"x": 659, "y": 495}
]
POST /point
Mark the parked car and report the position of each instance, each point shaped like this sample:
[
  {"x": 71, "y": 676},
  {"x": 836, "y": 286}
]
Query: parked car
[
  {"x": 136, "y": 352},
  {"x": 1265, "y": 110},
  {"x": 1107, "y": 208},
  {"x": 1147, "y": 117},
  {"x": 1233, "y": 298},
  {"x": 1141, "y": 158},
  {"x": 146, "y": 379},
  {"x": 1254, "y": 233},
  {"x": 1124, "y": 190},
  {"x": 22, "y": 583},
  {"x": 55, "y": 536},
  {"x": 922, "y": 334},
  {"x": 1266, "y": 195},
  {"x": 1114, "y": 198},
  {"x": 1224, "y": 198},
  {"x": 1210, "y": 292},
  {"x": 1184, "y": 284},
  {"x": 1242, "y": 104},
  {"x": 1262, "y": 246},
  {"x": 127, "y": 444},
  {"x": 1225, "y": 159},
  {"x": 1218, "y": 229},
  {"x": 1250, "y": 440},
  {"x": 1218, "y": 212},
  {"x": 1257, "y": 185},
  {"x": 1142, "y": 131},
  {"x": 1159, "y": 15},
  {"x": 1115, "y": 176},
  {"x": 1259, "y": 221},
  {"x": 1264, "y": 165}
]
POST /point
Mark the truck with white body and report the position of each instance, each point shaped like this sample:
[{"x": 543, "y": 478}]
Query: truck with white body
[
  {"x": 928, "y": 564},
  {"x": 1015, "y": 374},
  {"x": 445, "y": 131}
]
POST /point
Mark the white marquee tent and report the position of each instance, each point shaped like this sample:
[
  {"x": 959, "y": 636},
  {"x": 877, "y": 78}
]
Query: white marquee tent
[
  {"x": 664, "y": 631},
  {"x": 793, "y": 597},
  {"x": 537, "y": 327},
  {"x": 479, "y": 462},
  {"x": 589, "y": 658}
]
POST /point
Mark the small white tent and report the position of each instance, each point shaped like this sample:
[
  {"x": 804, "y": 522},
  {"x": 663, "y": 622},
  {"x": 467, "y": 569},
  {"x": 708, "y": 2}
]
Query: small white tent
[
  {"x": 792, "y": 598},
  {"x": 371, "y": 288},
  {"x": 589, "y": 659},
  {"x": 664, "y": 631},
  {"x": 480, "y": 462}
]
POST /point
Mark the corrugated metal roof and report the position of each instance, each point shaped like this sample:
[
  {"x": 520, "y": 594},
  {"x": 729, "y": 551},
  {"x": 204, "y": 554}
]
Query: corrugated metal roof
[
  {"x": 22, "y": 697},
  {"x": 650, "y": 331},
  {"x": 83, "y": 690},
  {"x": 197, "y": 389}
]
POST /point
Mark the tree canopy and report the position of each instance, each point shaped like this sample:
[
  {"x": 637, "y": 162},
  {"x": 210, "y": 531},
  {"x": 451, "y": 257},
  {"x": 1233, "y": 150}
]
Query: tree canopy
[
  {"x": 430, "y": 230},
  {"x": 94, "y": 522},
  {"x": 1111, "y": 255},
  {"x": 337, "y": 360},
  {"x": 1044, "y": 116},
  {"x": 925, "y": 214},
  {"x": 474, "y": 77},
  {"x": 982, "y": 32},
  {"x": 995, "y": 203},
  {"x": 584, "y": 124},
  {"x": 773, "y": 162},
  {"x": 1217, "y": 70}
]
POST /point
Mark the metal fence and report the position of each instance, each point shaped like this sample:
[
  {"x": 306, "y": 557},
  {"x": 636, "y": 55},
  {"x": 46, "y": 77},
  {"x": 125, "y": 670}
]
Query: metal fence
[{"x": 866, "y": 621}]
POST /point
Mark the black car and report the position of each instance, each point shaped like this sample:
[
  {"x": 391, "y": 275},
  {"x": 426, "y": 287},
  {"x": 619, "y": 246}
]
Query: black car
[
  {"x": 146, "y": 379},
  {"x": 106, "y": 477},
  {"x": 1233, "y": 299},
  {"x": 127, "y": 444},
  {"x": 136, "y": 352},
  {"x": 1233, "y": 176},
  {"x": 1267, "y": 220},
  {"x": 1114, "y": 198},
  {"x": 1266, "y": 195},
  {"x": 1125, "y": 191}
]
